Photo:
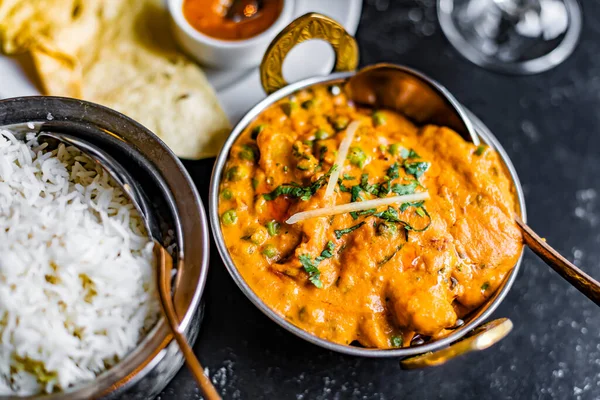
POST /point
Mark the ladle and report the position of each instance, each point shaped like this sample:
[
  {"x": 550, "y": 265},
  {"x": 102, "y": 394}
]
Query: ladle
[
  {"x": 164, "y": 259},
  {"x": 425, "y": 101}
]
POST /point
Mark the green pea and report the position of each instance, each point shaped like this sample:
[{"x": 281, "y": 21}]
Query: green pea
[
  {"x": 308, "y": 104},
  {"x": 229, "y": 217},
  {"x": 227, "y": 194},
  {"x": 321, "y": 134},
  {"x": 378, "y": 118},
  {"x": 272, "y": 227},
  {"x": 270, "y": 251},
  {"x": 480, "y": 150},
  {"x": 395, "y": 149},
  {"x": 248, "y": 153},
  {"x": 259, "y": 236},
  {"x": 340, "y": 123},
  {"x": 357, "y": 156},
  {"x": 287, "y": 108},
  {"x": 257, "y": 130},
  {"x": 236, "y": 173}
]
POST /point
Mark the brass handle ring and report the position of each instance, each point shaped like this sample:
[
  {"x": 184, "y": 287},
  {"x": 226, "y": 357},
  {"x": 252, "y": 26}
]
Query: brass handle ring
[
  {"x": 306, "y": 27},
  {"x": 481, "y": 338}
]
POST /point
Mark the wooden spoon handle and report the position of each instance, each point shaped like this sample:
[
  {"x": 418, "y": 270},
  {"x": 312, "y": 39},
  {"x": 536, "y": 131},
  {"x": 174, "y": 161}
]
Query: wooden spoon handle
[
  {"x": 165, "y": 264},
  {"x": 576, "y": 277}
]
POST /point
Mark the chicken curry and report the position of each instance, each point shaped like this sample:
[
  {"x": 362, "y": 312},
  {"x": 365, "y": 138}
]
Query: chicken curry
[{"x": 380, "y": 277}]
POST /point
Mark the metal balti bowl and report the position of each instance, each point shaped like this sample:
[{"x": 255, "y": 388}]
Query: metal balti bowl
[
  {"x": 461, "y": 340},
  {"x": 145, "y": 372}
]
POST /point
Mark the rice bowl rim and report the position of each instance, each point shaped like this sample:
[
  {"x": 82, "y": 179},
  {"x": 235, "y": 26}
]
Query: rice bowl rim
[{"x": 182, "y": 198}]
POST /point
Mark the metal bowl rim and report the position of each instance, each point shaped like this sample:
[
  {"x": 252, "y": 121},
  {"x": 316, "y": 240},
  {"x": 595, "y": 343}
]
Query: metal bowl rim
[
  {"x": 161, "y": 328},
  {"x": 488, "y": 137}
]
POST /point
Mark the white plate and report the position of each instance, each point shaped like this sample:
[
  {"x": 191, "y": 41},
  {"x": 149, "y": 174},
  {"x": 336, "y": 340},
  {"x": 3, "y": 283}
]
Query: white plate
[{"x": 237, "y": 90}]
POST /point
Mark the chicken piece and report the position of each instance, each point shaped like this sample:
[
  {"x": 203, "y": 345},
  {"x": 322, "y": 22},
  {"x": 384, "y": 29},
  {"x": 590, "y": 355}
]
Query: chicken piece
[
  {"x": 421, "y": 304},
  {"x": 275, "y": 152}
]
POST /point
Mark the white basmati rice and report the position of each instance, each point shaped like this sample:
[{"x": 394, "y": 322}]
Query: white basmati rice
[{"x": 77, "y": 284}]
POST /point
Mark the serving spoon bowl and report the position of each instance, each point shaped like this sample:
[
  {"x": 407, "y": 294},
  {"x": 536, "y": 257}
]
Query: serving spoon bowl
[
  {"x": 164, "y": 260},
  {"x": 412, "y": 94}
]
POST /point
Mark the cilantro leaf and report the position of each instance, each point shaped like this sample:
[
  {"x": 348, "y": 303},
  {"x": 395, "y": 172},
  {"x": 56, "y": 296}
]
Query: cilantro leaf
[
  {"x": 396, "y": 341},
  {"x": 389, "y": 257},
  {"x": 409, "y": 154},
  {"x": 311, "y": 267},
  {"x": 402, "y": 190},
  {"x": 392, "y": 172},
  {"x": 341, "y": 232},
  {"x": 327, "y": 252},
  {"x": 314, "y": 275},
  {"x": 390, "y": 215},
  {"x": 293, "y": 189},
  {"x": 417, "y": 169},
  {"x": 404, "y": 206}
]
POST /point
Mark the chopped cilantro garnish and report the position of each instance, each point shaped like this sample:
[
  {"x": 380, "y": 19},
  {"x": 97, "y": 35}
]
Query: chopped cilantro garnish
[
  {"x": 355, "y": 191},
  {"x": 389, "y": 257},
  {"x": 404, "y": 206},
  {"x": 402, "y": 190},
  {"x": 314, "y": 275},
  {"x": 341, "y": 232},
  {"x": 311, "y": 268},
  {"x": 390, "y": 215},
  {"x": 392, "y": 172},
  {"x": 295, "y": 190},
  {"x": 417, "y": 169},
  {"x": 327, "y": 252},
  {"x": 396, "y": 341},
  {"x": 409, "y": 154},
  {"x": 485, "y": 286},
  {"x": 364, "y": 185},
  {"x": 423, "y": 213}
]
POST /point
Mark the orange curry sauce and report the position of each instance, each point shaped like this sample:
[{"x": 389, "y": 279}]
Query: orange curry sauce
[
  {"x": 378, "y": 277},
  {"x": 208, "y": 17}
]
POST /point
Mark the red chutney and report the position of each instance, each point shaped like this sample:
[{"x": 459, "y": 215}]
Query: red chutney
[
  {"x": 378, "y": 277},
  {"x": 208, "y": 17}
]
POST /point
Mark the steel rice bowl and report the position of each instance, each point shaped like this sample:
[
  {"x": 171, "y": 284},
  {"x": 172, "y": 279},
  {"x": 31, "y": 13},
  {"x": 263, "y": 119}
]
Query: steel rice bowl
[
  {"x": 474, "y": 320},
  {"x": 147, "y": 369}
]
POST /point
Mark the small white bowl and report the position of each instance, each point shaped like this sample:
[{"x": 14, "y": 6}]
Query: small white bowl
[{"x": 225, "y": 54}]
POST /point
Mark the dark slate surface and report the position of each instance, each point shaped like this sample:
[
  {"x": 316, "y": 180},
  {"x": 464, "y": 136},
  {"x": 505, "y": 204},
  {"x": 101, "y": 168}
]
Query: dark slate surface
[{"x": 550, "y": 126}]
